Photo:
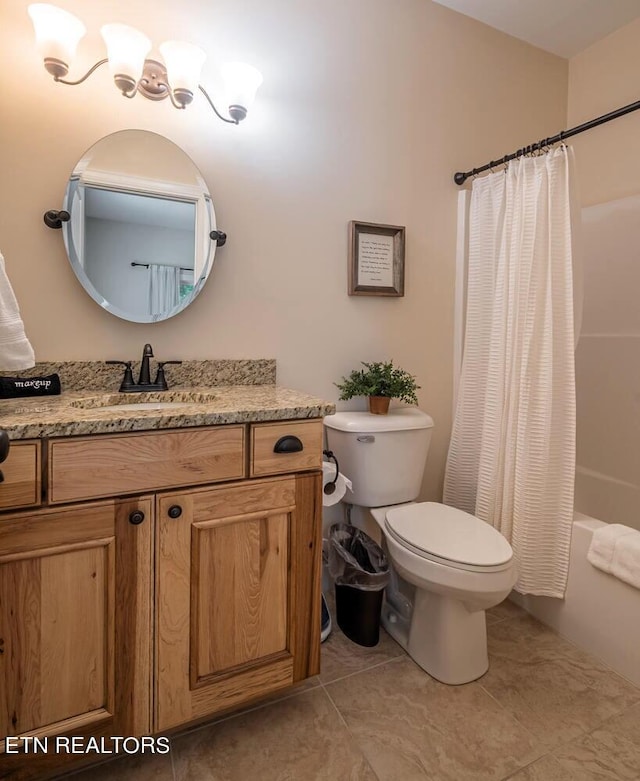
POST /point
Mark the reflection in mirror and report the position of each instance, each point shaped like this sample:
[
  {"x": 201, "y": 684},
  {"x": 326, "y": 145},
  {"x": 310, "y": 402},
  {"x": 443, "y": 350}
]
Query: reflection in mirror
[{"x": 138, "y": 237}]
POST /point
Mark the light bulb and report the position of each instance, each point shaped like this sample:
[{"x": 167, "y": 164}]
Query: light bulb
[
  {"x": 184, "y": 62},
  {"x": 241, "y": 84},
  {"x": 126, "y": 50},
  {"x": 57, "y": 36}
]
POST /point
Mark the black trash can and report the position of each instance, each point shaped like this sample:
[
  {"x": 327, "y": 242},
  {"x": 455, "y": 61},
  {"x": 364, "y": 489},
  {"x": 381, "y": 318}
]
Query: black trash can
[{"x": 360, "y": 570}]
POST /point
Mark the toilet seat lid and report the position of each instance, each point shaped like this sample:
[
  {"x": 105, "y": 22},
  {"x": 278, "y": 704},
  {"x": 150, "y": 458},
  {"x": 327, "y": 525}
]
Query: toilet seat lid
[{"x": 450, "y": 534}]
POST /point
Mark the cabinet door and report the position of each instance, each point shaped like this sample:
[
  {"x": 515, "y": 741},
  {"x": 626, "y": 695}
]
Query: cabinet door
[
  {"x": 75, "y": 622},
  {"x": 238, "y": 594}
]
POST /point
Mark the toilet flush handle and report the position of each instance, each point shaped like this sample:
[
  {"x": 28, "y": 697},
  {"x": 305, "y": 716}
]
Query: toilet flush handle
[{"x": 366, "y": 438}]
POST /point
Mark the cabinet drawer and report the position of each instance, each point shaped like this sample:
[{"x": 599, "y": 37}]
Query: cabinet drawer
[
  {"x": 21, "y": 470},
  {"x": 265, "y": 436},
  {"x": 92, "y": 467}
]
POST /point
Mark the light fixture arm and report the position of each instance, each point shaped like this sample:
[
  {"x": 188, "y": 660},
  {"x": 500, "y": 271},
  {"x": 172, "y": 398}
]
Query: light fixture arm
[
  {"x": 85, "y": 77},
  {"x": 174, "y": 102},
  {"x": 157, "y": 85},
  {"x": 217, "y": 113}
]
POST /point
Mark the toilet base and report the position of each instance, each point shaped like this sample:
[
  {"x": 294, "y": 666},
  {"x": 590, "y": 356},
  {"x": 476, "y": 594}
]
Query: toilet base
[{"x": 443, "y": 637}]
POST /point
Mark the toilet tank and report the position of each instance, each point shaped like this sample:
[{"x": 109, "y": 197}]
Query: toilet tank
[{"x": 383, "y": 455}]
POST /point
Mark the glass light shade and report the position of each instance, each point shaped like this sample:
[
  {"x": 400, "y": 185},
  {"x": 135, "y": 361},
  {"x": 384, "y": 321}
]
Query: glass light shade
[
  {"x": 241, "y": 82},
  {"x": 57, "y": 31},
  {"x": 126, "y": 50},
  {"x": 184, "y": 62}
]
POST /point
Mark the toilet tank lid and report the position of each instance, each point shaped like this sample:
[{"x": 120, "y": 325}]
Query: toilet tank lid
[{"x": 399, "y": 419}]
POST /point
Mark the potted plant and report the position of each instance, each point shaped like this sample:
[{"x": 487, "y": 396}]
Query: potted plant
[{"x": 380, "y": 382}]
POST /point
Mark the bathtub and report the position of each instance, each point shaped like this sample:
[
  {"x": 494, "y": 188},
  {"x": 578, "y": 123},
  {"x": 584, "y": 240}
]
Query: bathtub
[{"x": 599, "y": 613}]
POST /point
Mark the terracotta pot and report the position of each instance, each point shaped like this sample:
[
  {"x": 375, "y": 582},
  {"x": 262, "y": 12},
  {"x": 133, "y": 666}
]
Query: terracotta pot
[{"x": 379, "y": 405}]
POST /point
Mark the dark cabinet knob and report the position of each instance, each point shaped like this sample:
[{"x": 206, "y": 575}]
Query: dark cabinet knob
[
  {"x": 288, "y": 444},
  {"x": 175, "y": 511},
  {"x": 136, "y": 517}
]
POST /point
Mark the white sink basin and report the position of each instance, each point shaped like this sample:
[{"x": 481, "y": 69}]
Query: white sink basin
[{"x": 128, "y": 402}]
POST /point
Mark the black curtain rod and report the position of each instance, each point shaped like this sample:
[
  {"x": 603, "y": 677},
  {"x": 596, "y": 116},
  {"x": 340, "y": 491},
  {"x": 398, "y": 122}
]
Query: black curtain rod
[
  {"x": 146, "y": 265},
  {"x": 460, "y": 177}
]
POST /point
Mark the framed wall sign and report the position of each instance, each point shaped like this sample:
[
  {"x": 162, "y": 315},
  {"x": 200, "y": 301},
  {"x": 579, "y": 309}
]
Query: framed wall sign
[{"x": 376, "y": 259}]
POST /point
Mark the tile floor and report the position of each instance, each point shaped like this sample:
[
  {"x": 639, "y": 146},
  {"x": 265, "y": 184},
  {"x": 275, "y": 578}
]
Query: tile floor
[{"x": 545, "y": 711}]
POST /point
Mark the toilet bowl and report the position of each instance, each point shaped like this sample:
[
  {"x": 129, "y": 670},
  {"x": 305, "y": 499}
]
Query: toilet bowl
[{"x": 458, "y": 565}]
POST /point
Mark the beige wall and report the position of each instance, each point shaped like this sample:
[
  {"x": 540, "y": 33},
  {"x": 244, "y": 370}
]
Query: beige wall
[
  {"x": 601, "y": 79},
  {"x": 367, "y": 109}
]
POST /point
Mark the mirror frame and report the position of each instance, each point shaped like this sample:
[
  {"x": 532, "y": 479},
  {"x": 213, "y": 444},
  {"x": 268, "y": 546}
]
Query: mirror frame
[{"x": 205, "y": 222}]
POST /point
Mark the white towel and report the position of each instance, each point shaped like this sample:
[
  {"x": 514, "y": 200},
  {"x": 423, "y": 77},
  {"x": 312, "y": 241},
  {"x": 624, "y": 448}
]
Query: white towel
[
  {"x": 15, "y": 350},
  {"x": 616, "y": 549},
  {"x": 626, "y": 559}
]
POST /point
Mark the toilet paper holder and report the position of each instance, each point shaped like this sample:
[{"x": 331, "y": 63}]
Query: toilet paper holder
[{"x": 330, "y": 487}]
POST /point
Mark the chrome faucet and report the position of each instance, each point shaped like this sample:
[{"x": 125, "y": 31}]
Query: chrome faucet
[{"x": 128, "y": 385}]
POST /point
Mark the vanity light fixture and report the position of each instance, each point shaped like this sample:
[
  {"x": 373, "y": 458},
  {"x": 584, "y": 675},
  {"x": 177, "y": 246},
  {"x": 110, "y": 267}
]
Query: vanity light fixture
[{"x": 58, "y": 33}]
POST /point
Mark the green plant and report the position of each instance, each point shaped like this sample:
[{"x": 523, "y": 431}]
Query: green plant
[{"x": 379, "y": 379}]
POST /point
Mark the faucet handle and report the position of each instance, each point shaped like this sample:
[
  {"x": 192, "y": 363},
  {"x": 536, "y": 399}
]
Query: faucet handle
[
  {"x": 127, "y": 381},
  {"x": 160, "y": 378}
]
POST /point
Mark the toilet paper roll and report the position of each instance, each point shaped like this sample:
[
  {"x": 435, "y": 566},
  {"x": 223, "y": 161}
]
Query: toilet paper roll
[{"x": 328, "y": 475}]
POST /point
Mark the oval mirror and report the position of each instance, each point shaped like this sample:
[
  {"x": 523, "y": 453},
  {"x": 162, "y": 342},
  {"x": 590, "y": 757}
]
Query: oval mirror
[{"x": 138, "y": 235}]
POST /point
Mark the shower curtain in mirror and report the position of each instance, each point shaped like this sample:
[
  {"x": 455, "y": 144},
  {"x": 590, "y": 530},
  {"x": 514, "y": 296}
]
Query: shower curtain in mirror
[
  {"x": 511, "y": 458},
  {"x": 164, "y": 288}
]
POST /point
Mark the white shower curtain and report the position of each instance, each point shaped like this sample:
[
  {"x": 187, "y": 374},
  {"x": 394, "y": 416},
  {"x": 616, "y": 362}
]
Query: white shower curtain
[
  {"x": 164, "y": 288},
  {"x": 512, "y": 453}
]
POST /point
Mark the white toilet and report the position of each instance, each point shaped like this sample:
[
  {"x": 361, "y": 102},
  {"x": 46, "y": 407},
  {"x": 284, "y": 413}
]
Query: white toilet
[{"x": 458, "y": 564}]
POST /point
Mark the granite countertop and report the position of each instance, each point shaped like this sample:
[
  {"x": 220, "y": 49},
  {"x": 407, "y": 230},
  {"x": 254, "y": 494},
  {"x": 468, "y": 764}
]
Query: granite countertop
[{"x": 82, "y": 412}]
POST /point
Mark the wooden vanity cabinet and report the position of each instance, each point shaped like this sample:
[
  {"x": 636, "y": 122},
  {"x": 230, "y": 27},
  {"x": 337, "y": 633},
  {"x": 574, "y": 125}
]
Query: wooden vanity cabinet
[
  {"x": 133, "y": 616},
  {"x": 75, "y": 624},
  {"x": 237, "y": 595}
]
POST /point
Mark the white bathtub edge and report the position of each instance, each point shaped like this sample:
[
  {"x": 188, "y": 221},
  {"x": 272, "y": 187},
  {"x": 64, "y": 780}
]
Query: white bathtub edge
[{"x": 599, "y": 612}]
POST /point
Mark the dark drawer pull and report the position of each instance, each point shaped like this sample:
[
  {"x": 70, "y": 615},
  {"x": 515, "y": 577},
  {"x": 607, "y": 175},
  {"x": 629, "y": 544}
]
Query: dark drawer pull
[
  {"x": 136, "y": 517},
  {"x": 4, "y": 449},
  {"x": 288, "y": 444},
  {"x": 175, "y": 511}
]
